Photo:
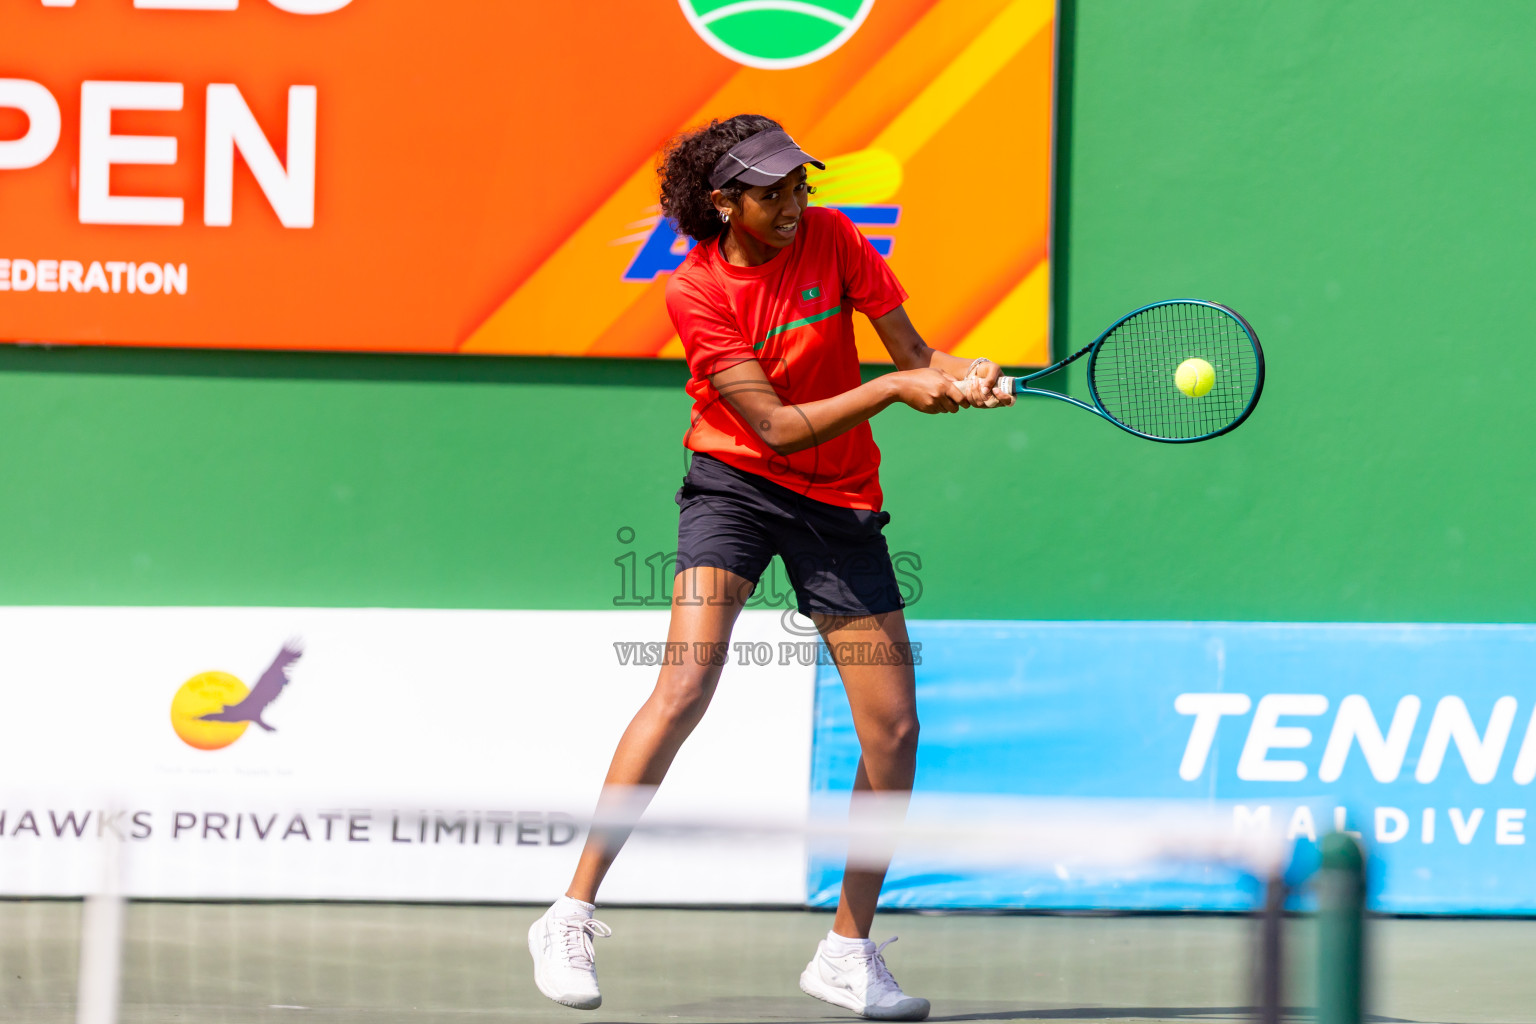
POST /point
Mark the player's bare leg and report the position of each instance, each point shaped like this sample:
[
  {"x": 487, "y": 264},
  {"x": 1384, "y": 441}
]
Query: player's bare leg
[
  {"x": 883, "y": 699},
  {"x": 848, "y": 970},
  {"x": 705, "y": 604}
]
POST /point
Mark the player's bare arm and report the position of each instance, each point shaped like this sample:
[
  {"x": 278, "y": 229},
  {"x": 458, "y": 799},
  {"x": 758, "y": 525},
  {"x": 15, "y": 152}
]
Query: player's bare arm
[
  {"x": 909, "y": 351},
  {"x": 792, "y": 428}
]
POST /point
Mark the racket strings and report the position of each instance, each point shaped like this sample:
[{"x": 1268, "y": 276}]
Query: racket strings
[{"x": 1134, "y": 370}]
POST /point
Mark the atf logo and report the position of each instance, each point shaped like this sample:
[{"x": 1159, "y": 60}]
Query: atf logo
[
  {"x": 213, "y": 709},
  {"x": 663, "y": 249},
  {"x": 775, "y": 34}
]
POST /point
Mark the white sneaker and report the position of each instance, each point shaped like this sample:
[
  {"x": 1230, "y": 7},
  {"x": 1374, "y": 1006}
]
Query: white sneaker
[
  {"x": 860, "y": 981},
  {"x": 562, "y": 958}
]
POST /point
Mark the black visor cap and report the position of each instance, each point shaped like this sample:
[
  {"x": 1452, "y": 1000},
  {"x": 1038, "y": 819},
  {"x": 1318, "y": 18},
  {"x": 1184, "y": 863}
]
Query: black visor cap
[{"x": 761, "y": 159}]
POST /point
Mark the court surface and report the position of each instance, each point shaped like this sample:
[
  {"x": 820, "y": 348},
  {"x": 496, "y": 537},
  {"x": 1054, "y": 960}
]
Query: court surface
[{"x": 236, "y": 963}]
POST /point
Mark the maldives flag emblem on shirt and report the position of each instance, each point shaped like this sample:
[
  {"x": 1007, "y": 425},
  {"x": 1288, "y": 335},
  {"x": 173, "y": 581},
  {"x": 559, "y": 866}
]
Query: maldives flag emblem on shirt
[{"x": 810, "y": 294}]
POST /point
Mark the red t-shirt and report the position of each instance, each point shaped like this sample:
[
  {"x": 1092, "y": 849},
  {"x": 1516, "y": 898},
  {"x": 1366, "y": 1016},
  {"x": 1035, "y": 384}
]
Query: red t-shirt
[{"x": 794, "y": 315}]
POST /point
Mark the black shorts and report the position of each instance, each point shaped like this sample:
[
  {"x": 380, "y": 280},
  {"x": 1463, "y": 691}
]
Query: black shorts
[{"x": 836, "y": 557}]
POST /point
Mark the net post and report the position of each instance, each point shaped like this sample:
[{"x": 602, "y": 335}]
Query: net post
[
  {"x": 1269, "y": 973},
  {"x": 101, "y": 941},
  {"x": 1341, "y": 931}
]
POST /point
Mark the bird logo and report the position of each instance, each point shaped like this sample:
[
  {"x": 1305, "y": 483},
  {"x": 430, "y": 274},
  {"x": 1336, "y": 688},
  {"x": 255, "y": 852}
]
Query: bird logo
[{"x": 213, "y": 709}]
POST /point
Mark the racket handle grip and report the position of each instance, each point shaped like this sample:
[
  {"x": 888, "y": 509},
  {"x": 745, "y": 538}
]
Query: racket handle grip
[{"x": 970, "y": 384}]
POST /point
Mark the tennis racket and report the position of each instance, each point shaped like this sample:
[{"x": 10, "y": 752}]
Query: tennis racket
[{"x": 1176, "y": 371}]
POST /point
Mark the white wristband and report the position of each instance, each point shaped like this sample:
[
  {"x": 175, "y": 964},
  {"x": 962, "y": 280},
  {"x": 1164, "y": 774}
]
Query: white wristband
[{"x": 971, "y": 372}]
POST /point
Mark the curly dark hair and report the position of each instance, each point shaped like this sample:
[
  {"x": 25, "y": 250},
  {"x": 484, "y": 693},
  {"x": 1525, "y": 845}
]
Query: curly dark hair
[{"x": 685, "y": 167}]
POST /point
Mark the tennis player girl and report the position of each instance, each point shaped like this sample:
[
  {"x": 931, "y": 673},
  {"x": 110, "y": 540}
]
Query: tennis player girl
[{"x": 783, "y": 463}]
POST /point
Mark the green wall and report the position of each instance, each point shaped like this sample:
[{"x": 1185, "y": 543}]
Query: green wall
[{"x": 1355, "y": 177}]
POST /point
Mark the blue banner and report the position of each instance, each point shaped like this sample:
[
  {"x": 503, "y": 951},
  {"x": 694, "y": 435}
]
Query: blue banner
[{"x": 1419, "y": 737}]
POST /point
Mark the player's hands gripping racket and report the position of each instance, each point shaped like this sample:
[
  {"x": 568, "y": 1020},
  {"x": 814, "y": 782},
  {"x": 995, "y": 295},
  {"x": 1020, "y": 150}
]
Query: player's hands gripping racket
[{"x": 1176, "y": 371}]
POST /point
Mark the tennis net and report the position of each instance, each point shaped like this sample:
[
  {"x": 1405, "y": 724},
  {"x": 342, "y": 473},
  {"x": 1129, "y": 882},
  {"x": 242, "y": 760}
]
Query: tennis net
[{"x": 177, "y": 926}]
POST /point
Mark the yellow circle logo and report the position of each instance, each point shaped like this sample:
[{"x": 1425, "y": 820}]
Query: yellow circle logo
[{"x": 204, "y": 694}]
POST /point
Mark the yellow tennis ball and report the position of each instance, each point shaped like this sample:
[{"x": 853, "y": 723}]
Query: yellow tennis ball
[{"x": 1195, "y": 377}]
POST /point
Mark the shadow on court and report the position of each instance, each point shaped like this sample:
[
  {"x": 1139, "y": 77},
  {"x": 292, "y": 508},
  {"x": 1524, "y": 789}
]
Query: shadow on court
[{"x": 324, "y": 963}]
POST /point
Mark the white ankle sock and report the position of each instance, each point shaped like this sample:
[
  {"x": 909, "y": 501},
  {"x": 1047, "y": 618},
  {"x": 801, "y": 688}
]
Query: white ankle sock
[
  {"x": 565, "y": 906},
  {"x": 841, "y": 945}
]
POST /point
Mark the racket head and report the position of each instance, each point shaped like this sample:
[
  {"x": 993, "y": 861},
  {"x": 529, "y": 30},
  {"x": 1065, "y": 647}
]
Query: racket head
[{"x": 1133, "y": 366}]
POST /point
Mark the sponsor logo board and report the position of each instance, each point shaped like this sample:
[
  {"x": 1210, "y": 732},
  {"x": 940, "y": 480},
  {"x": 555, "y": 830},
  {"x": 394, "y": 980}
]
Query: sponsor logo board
[
  {"x": 413, "y": 755},
  {"x": 1419, "y": 737},
  {"x": 162, "y": 168}
]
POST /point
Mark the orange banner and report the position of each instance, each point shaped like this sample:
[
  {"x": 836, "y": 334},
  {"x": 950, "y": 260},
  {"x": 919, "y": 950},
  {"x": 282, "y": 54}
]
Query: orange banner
[{"x": 360, "y": 175}]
